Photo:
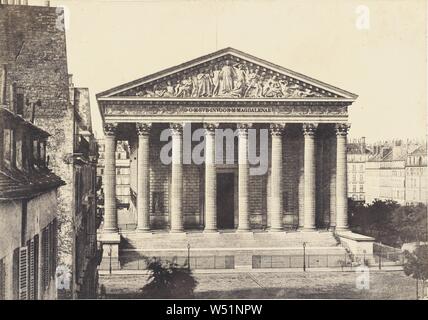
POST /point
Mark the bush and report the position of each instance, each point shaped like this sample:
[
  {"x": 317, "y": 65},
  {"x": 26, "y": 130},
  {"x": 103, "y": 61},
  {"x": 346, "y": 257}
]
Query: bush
[{"x": 168, "y": 281}]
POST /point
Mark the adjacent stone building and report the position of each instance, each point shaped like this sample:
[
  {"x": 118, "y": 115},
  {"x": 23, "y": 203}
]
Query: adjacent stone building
[
  {"x": 357, "y": 156},
  {"x": 28, "y": 209},
  {"x": 220, "y": 206},
  {"x": 34, "y": 74},
  {"x": 417, "y": 176}
]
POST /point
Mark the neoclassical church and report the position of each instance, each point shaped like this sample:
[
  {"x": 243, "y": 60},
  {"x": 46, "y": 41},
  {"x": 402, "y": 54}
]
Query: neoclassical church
[{"x": 221, "y": 209}]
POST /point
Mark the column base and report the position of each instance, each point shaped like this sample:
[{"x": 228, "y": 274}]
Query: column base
[
  {"x": 279, "y": 229},
  {"x": 306, "y": 229},
  {"x": 177, "y": 231},
  {"x": 341, "y": 229},
  {"x": 243, "y": 230},
  {"x": 110, "y": 244},
  {"x": 210, "y": 231},
  {"x": 143, "y": 230}
]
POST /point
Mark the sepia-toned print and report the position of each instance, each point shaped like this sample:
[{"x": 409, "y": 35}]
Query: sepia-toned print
[{"x": 213, "y": 150}]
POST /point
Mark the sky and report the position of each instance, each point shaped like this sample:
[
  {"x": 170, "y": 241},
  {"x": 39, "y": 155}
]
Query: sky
[{"x": 376, "y": 49}]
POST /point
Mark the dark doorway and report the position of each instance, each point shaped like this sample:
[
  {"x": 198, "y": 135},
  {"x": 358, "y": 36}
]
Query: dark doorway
[{"x": 225, "y": 200}]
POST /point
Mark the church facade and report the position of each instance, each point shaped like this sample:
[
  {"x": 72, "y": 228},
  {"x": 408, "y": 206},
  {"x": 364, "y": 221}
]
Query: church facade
[{"x": 226, "y": 143}]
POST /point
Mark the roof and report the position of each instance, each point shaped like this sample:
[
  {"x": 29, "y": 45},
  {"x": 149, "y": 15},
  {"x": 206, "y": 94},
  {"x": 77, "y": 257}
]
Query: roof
[
  {"x": 7, "y": 114},
  {"x": 420, "y": 151},
  {"x": 355, "y": 148},
  {"x": 16, "y": 185},
  {"x": 212, "y": 57}
]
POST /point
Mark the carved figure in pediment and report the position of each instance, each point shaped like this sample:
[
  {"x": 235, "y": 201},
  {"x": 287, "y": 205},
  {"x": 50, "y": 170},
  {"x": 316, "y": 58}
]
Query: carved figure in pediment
[
  {"x": 284, "y": 88},
  {"x": 146, "y": 93},
  {"x": 226, "y": 76},
  {"x": 184, "y": 88},
  {"x": 170, "y": 90},
  {"x": 205, "y": 84},
  {"x": 273, "y": 89},
  {"x": 194, "y": 79},
  {"x": 254, "y": 88},
  {"x": 239, "y": 85},
  {"x": 158, "y": 91}
]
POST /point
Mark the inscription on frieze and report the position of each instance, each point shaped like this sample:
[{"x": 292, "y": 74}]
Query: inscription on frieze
[{"x": 126, "y": 110}]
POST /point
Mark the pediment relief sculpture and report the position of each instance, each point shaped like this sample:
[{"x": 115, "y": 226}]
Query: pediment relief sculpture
[{"x": 227, "y": 78}]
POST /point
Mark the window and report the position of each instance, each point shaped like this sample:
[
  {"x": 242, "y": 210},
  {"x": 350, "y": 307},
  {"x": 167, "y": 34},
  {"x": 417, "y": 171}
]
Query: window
[
  {"x": 8, "y": 146},
  {"x": 36, "y": 152},
  {"x": 20, "y": 101},
  {"x": 361, "y": 188},
  {"x": 19, "y": 156}
]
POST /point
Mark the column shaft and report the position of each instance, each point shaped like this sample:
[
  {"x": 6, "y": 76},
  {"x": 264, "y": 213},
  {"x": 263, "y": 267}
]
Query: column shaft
[
  {"x": 276, "y": 198},
  {"x": 309, "y": 177},
  {"x": 143, "y": 178},
  {"x": 110, "y": 213},
  {"x": 210, "y": 180},
  {"x": 243, "y": 172},
  {"x": 177, "y": 179},
  {"x": 341, "y": 178}
]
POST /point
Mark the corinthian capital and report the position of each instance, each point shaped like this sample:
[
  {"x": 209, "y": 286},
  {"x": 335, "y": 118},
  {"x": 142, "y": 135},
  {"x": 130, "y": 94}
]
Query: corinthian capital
[
  {"x": 176, "y": 128},
  {"x": 210, "y": 127},
  {"x": 342, "y": 129},
  {"x": 309, "y": 129},
  {"x": 276, "y": 129},
  {"x": 143, "y": 129},
  {"x": 110, "y": 129}
]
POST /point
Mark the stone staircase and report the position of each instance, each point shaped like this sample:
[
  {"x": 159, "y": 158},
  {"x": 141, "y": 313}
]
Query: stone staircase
[
  {"x": 222, "y": 240},
  {"x": 207, "y": 250}
]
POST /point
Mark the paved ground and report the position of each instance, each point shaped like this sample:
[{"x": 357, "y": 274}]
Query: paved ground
[{"x": 280, "y": 285}]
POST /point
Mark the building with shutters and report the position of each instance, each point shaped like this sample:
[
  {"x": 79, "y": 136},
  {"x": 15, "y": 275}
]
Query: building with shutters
[
  {"x": 28, "y": 210},
  {"x": 357, "y": 156},
  {"x": 34, "y": 78}
]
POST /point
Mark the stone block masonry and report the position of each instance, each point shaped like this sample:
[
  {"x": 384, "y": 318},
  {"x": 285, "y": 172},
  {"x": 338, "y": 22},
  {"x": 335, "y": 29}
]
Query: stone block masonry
[{"x": 33, "y": 45}]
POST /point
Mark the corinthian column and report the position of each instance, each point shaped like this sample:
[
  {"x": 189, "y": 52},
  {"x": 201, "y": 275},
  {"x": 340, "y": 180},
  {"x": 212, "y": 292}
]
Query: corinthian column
[
  {"x": 309, "y": 176},
  {"x": 243, "y": 172},
  {"x": 341, "y": 178},
  {"x": 110, "y": 214},
  {"x": 276, "y": 205},
  {"x": 143, "y": 178},
  {"x": 210, "y": 179},
  {"x": 177, "y": 178}
]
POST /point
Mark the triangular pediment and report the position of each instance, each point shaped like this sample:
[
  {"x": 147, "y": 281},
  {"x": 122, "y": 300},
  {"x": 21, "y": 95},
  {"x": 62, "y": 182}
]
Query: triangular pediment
[{"x": 230, "y": 74}]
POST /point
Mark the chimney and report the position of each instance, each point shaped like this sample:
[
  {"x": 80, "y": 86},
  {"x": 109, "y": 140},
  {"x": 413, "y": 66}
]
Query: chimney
[
  {"x": 363, "y": 144},
  {"x": 3, "y": 84},
  {"x": 47, "y": 3},
  {"x": 12, "y": 100}
]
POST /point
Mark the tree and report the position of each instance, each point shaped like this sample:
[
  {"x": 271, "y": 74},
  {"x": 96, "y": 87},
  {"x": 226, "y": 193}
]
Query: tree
[
  {"x": 168, "y": 281},
  {"x": 416, "y": 263}
]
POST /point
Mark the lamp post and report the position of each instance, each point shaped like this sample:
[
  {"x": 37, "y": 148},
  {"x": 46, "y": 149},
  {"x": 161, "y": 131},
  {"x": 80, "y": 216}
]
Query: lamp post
[
  {"x": 109, "y": 255},
  {"x": 188, "y": 256},
  {"x": 304, "y": 256}
]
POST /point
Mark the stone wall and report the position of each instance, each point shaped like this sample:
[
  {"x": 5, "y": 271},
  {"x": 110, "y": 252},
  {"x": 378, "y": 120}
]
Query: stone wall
[{"x": 33, "y": 46}]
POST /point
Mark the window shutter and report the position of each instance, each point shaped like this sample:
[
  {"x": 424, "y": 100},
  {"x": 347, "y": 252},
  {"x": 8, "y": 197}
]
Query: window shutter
[
  {"x": 31, "y": 277},
  {"x": 2, "y": 280},
  {"x": 45, "y": 257},
  {"x": 23, "y": 268}
]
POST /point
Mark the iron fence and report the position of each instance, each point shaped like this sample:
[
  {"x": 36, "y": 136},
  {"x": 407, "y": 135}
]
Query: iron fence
[
  {"x": 326, "y": 261},
  {"x": 195, "y": 262}
]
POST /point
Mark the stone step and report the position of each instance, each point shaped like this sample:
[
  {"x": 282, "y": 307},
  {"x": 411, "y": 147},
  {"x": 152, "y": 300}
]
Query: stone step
[{"x": 147, "y": 241}]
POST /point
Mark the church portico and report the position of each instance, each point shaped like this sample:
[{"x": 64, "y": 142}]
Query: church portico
[{"x": 257, "y": 149}]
